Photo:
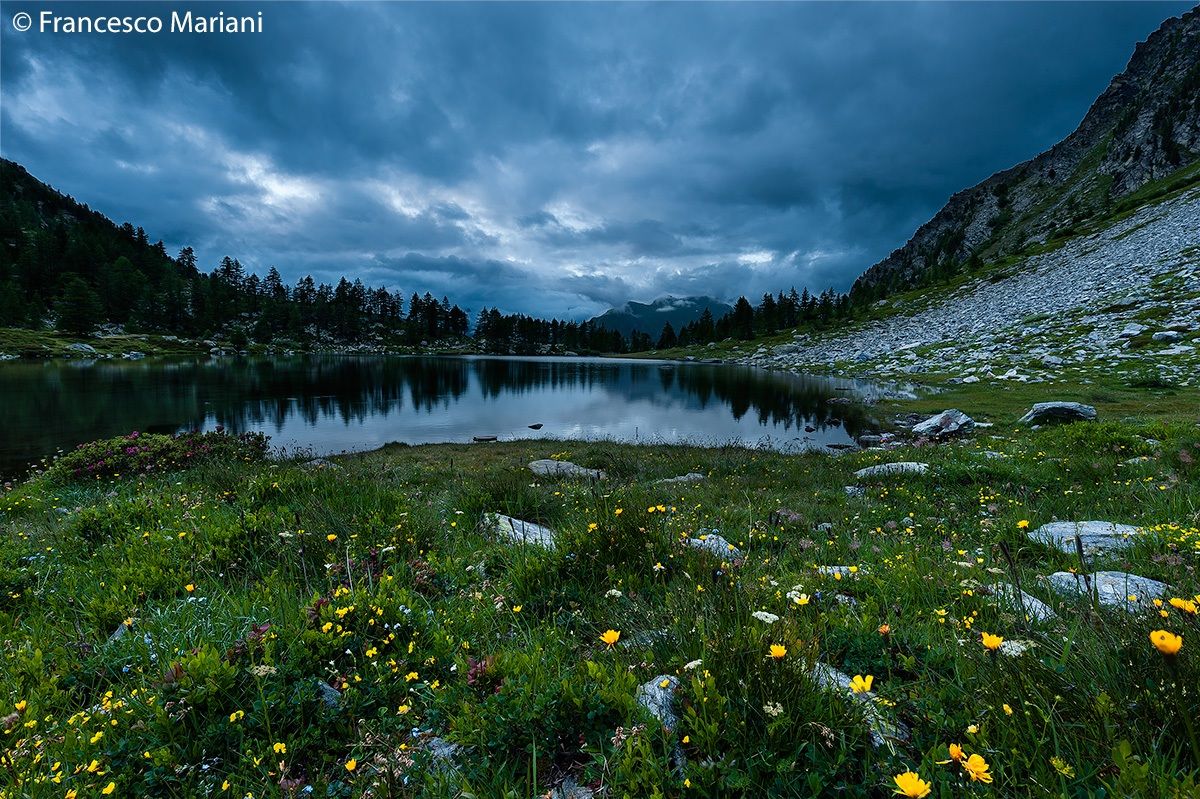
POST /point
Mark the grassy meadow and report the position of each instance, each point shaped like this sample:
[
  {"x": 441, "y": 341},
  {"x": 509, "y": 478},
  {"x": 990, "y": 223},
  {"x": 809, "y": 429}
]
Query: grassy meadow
[{"x": 224, "y": 625}]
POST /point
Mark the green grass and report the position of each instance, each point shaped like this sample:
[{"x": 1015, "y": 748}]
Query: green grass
[
  {"x": 53, "y": 344},
  {"x": 377, "y": 579}
]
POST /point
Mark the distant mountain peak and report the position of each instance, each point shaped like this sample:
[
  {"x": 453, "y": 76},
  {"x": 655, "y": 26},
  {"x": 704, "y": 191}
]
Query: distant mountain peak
[{"x": 652, "y": 316}]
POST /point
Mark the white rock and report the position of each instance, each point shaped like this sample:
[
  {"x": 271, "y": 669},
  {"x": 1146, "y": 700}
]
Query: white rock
[
  {"x": 1112, "y": 588},
  {"x": 1095, "y": 537},
  {"x": 715, "y": 544},
  {"x": 946, "y": 423},
  {"x": 884, "y": 469},
  {"x": 658, "y": 696},
  {"x": 552, "y": 468},
  {"x": 518, "y": 531}
]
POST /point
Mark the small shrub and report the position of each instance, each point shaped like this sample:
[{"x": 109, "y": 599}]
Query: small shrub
[{"x": 145, "y": 453}]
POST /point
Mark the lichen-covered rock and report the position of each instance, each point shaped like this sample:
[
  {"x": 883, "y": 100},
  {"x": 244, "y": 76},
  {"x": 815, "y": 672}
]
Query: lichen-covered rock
[
  {"x": 1095, "y": 537},
  {"x": 518, "y": 531},
  {"x": 1113, "y": 589},
  {"x": 886, "y": 469},
  {"x": 690, "y": 477},
  {"x": 1034, "y": 608},
  {"x": 658, "y": 696},
  {"x": 715, "y": 544},
  {"x": 552, "y": 468},
  {"x": 1043, "y": 412},
  {"x": 946, "y": 423}
]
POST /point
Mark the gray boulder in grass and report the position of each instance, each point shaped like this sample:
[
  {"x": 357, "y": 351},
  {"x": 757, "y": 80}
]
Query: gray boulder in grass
[
  {"x": 1043, "y": 412},
  {"x": 946, "y": 423}
]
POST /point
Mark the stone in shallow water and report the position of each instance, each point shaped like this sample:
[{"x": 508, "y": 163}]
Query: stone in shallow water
[
  {"x": 1113, "y": 589},
  {"x": 518, "y": 531},
  {"x": 1094, "y": 536},
  {"x": 1035, "y": 609},
  {"x": 552, "y": 468},
  {"x": 1043, "y": 412},
  {"x": 884, "y": 469}
]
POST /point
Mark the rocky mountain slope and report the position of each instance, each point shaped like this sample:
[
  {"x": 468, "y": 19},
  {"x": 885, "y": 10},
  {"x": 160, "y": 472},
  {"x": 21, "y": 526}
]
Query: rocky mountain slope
[
  {"x": 1145, "y": 125},
  {"x": 650, "y": 318},
  {"x": 1123, "y": 301}
]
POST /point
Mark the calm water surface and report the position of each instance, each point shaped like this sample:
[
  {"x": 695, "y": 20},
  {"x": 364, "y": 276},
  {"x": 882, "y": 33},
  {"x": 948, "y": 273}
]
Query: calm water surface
[{"x": 331, "y": 404}]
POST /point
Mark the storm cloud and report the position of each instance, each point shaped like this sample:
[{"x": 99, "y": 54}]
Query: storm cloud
[{"x": 555, "y": 159}]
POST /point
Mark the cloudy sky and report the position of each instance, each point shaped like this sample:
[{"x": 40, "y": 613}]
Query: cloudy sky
[{"x": 555, "y": 159}]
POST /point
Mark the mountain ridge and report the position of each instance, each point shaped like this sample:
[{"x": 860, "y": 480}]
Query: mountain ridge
[
  {"x": 650, "y": 317},
  {"x": 1144, "y": 126}
]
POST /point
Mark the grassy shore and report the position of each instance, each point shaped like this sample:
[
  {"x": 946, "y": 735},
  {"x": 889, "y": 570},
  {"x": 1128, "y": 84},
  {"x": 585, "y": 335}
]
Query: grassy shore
[{"x": 246, "y": 627}]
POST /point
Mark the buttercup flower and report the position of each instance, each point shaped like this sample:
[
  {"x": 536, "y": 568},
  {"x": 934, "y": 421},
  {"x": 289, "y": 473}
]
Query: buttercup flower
[
  {"x": 610, "y": 637},
  {"x": 977, "y": 768},
  {"x": 861, "y": 684},
  {"x": 351, "y": 764},
  {"x": 911, "y": 785},
  {"x": 1166, "y": 642}
]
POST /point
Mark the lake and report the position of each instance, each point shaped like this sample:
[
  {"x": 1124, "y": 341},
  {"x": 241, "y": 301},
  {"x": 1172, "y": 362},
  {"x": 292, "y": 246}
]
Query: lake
[{"x": 326, "y": 404}]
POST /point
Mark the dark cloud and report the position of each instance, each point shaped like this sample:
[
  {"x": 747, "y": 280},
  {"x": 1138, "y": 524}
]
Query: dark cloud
[{"x": 556, "y": 159}]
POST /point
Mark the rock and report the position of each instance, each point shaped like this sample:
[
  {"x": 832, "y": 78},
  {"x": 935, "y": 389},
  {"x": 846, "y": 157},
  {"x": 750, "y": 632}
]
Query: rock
[
  {"x": 885, "y": 469},
  {"x": 1035, "y": 609},
  {"x": 869, "y": 440},
  {"x": 844, "y": 571},
  {"x": 715, "y": 544},
  {"x": 1167, "y": 336},
  {"x": 1180, "y": 325},
  {"x": 884, "y": 731},
  {"x": 1132, "y": 329},
  {"x": 1094, "y": 536},
  {"x": 518, "y": 531},
  {"x": 946, "y": 423},
  {"x": 971, "y": 379},
  {"x": 570, "y": 789},
  {"x": 855, "y": 492},
  {"x": 1112, "y": 588},
  {"x": 330, "y": 696},
  {"x": 1043, "y": 412},
  {"x": 659, "y": 699},
  {"x": 134, "y": 355},
  {"x": 690, "y": 477},
  {"x": 552, "y": 468},
  {"x": 86, "y": 349}
]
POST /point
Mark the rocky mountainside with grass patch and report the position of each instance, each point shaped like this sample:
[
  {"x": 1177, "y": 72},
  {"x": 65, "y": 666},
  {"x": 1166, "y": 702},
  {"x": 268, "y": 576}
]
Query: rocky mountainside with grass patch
[
  {"x": 1124, "y": 301},
  {"x": 1144, "y": 127}
]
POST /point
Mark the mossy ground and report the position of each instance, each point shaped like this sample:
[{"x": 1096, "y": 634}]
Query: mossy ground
[{"x": 242, "y": 588}]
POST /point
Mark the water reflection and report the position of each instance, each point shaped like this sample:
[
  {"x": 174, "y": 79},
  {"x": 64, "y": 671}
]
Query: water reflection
[{"x": 334, "y": 403}]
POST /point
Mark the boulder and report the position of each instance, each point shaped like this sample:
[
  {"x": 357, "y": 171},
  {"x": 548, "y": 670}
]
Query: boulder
[
  {"x": 1043, "y": 412},
  {"x": 885, "y": 469},
  {"x": 518, "y": 531},
  {"x": 946, "y": 423},
  {"x": 884, "y": 731},
  {"x": 1167, "y": 336},
  {"x": 1034, "y": 608},
  {"x": 552, "y": 468},
  {"x": 1112, "y": 588},
  {"x": 714, "y": 544},
  {"x": 658, "y": 696},
  {"x": 690, "y": 477},
  {"x": 1132, "y": 329},
  {"x": 86, "y": 349},
  {"x": 1095, "y": 537}
]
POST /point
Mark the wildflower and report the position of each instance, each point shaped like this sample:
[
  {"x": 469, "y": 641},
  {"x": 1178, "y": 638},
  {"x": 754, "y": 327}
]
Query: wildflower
[
  {"x": 1062, "y": 767},
  {"x": 412, "y": 675},
  {"x": 280, "y": 748},
  {"x": 1186, "y": 605},
  {"x": 225, "y": 785},
  {"x": 351, "y": 764},
  {"x": 610, "y": 637},
  {"x": 992, "y": 642},
  {"x": 861, "y": 684},
  {"x": 763, "y": 616},
  {"x": 618, "y": 511},
  {"x": 977, "y": 768},
  {"x": 1166, "y": 642},
  {"x": 956, "y": 754},
  {"x": 972, "y": 729},
  {"x": 778, "y": 651},
  {"x": 517, "y": 608},
  {"x": 801, "y": 599},
  {"x": 664, "y": 683},
  {"x": 190, "y": 587},
  {"x": 99, "y": 734},
  {"x": 331, "y": 538},
  {"x": 20, "y": 706},
  {"x": 112, "y": 786},
  {"x": 885, "y": 629},
  {"x": 403, "y": 710},
  {"x": 1023, "y": 524},
  {"x": 773, "y": 709},
  {"x": 911, "y": 785},
  {"x": 1008, "y": 711}
]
